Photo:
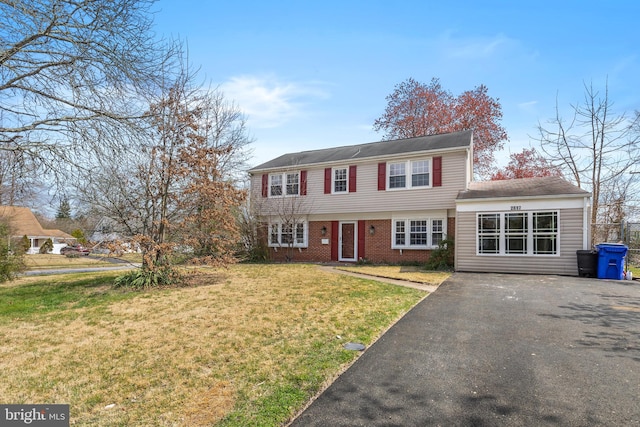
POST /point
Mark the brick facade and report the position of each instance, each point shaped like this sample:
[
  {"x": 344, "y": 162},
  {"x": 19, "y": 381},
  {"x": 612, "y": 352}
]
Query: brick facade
[{"x": 377, "y": 247}]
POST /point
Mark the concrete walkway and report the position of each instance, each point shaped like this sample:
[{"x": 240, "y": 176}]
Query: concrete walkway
[{"x": 408, "y": 284}]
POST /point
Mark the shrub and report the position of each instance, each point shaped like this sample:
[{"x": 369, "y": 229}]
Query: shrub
[
  {"x": 11, "y": 262},
  {"x": 79, "y": 235},
  {"x": 442, "y": 258},
  {"x": 46, "y": 247},
  {"x": 24, "y": 245},
  {"x": 142, "y": 278}
]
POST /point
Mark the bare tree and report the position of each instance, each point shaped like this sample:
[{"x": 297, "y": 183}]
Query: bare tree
[
  {"x": 598, "y": 149},
  {"x": 19, "y": 178},
  {"x": 173, "y": 187},
  {"x": 67, "y": 63}
]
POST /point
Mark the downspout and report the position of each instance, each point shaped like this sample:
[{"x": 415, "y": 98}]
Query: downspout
[{"x": 586, "y": 227}]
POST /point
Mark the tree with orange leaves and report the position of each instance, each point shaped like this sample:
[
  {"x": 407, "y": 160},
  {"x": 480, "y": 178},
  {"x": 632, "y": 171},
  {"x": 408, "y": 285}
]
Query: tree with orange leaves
[
  {"x": 416, "y": 109},
  {"x": 527, "y": 164}
]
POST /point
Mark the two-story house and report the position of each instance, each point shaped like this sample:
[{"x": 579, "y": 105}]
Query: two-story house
[{"x": 395, "y": 201}]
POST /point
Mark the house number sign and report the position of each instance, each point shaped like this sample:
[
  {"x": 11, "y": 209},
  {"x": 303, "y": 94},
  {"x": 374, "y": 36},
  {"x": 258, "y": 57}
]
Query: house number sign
[{"x": 516, "y": 208}]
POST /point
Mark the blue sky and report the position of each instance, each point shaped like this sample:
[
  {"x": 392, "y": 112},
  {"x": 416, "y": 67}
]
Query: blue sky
[{"x": 315, "y": 74}]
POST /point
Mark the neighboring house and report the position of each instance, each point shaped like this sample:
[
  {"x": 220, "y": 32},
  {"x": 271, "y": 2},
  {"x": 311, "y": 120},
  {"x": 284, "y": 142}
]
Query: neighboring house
[
  {"x": 106, "y": 231},
  {"x": 22, "y": 222},
  {"x": 394, "y": 201}
]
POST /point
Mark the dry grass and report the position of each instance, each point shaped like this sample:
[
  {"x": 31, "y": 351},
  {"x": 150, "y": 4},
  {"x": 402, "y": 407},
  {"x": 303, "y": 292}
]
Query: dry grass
[
  {"x": 409, "y": 273},
  {"x": 247, "y": 346}
]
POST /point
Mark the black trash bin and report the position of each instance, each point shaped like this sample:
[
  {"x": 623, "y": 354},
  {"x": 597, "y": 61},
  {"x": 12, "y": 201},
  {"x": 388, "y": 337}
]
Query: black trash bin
[{"x": 587, "y": 263}]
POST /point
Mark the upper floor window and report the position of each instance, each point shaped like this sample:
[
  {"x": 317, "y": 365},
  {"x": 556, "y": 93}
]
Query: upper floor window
[
  {"x": 293, "y": 184},
  {"x": 397, "y": 175},
  {"x": 409, "y": 174},
  {"x": 275, "y": 185},
  {"x": 287, "y": 184},
  {"x": 420, "y": 173},
  {"x": 340, "y": 176}
]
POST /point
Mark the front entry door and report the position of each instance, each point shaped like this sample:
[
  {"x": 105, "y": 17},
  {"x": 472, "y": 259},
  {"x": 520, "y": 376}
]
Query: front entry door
[{"x": 348, "y": 241}]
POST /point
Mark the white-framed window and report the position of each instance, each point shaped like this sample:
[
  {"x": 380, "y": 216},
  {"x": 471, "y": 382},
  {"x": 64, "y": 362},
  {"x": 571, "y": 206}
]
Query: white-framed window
[
  {"x": 397, "y": 175},
  {"x": 545, "y": 233},
  {"x": 275, "y": 185},
  {"x": 420, "y": 173},
  {"x": 437, "y": 231},
  {"x": 489, "y": 233},
  {"x": 340, "y": 180},
  {"x": 409, "y": 174},
  {"x": 283, "y": 234},
  {"x": 518, "y": 233},
  {"x": 293, "y": 184},
  {"x": 417, "y": 233},
  {"x": 284, "y": 184}
]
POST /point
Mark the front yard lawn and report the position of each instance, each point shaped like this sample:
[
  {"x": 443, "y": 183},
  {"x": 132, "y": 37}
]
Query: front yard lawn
[
  {"x": 409, "y": 273},
  {"x": 249, "y": 345}
]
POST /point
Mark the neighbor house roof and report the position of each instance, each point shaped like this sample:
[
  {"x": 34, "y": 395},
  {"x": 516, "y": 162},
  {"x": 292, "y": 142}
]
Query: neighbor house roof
[
  {"x": 22, "y": 222},
  {"x": 526, "y": 187},
  {"x": 444, "y": 141}
]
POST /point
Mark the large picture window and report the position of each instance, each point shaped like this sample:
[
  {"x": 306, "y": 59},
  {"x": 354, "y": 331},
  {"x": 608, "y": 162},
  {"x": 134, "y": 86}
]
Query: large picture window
[
  {"x": 417, "y": 233},
  {"x": 518, "y": 233},
  {"x": 288, "y": 234}
]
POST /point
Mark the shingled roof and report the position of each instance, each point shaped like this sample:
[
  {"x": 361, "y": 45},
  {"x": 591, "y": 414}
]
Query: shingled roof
[
  {"x": 444, "y": 141},
  {"x": 526, "y": 187},
  {"x": 22, "y": 222}
]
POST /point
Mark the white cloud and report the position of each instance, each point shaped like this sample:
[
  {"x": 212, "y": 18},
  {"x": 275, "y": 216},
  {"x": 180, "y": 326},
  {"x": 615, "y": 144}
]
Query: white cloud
[
  {"x": 269, "y": 102},
  {"x": 529, "y": 107},
  {"x": 476, "y": 48}
]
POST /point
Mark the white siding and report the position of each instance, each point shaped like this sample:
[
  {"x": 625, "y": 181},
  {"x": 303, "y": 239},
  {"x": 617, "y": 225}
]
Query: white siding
[
  {"x": 367, "y": 198},
  {"x": 571, "y": 240}
]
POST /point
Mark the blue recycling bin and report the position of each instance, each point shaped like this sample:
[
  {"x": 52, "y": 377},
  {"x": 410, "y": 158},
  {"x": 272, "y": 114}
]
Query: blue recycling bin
[{"x": 611, "y": 260}]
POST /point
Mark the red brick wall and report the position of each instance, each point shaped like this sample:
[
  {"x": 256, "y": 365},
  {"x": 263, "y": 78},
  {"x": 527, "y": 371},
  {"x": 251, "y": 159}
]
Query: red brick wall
[
  {"x": 316, "y": 252},
  {"x": 377, "y": 246}
]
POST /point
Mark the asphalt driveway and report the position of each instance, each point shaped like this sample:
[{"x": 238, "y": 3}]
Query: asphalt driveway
[{"x": 499, "y": 350}]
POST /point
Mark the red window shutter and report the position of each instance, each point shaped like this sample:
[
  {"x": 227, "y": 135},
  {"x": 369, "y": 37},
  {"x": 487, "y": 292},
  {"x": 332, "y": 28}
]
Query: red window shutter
[
  {"x": 303, "y": 183},
  {"x": 382, "y": 176},
  {"x": 361, "y": 237},
  {"x": 265, "y": 185},
  {"x": 352, "y": 179},
  {"x": 437, "y": 171},
  {"x": 334, "y": 239},
  {"x": 327, "y": 181}
]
